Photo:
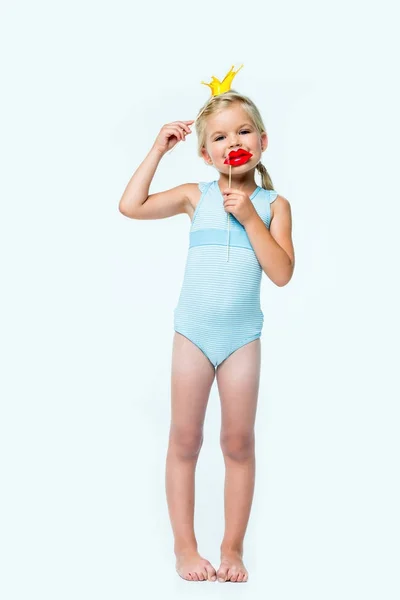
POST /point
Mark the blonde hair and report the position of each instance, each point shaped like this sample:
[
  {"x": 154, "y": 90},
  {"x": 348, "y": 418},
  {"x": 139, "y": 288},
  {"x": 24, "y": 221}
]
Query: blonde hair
[{"x": 216, "y": 103}]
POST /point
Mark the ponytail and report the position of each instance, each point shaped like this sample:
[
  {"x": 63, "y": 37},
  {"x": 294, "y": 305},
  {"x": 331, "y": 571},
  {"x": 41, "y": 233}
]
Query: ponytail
[{"x": 266, "y": 181}]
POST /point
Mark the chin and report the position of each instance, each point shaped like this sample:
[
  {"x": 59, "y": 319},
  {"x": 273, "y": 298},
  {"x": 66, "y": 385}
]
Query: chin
[{"x": 244, "y": 167}]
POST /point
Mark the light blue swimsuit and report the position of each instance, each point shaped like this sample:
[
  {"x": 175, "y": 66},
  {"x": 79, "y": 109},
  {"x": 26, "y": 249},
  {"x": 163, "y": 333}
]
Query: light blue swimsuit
[{"x": 219, "y": 304}]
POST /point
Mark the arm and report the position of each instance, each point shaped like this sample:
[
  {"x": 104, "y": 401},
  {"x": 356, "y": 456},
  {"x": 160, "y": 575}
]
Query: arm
[
  {"x": 136, "y": 202},
  {"x": 274, "y": 247},
  {"x": 137, "y": 190},
  {"x": 165, "y": 204}
]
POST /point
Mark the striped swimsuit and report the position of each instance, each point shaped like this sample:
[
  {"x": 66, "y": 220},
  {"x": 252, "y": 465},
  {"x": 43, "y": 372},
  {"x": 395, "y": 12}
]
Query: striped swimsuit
[{"x": 219, "y": 304}]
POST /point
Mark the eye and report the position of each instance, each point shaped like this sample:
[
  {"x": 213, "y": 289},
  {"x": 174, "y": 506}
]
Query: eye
[{"x": 221, "y": 136}]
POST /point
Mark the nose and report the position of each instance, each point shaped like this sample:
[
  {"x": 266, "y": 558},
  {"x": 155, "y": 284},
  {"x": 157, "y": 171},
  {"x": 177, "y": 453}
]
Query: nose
[{"x": 233, "y": 141}]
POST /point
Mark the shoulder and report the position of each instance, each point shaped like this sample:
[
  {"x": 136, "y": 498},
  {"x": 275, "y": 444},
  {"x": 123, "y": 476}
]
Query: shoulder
[
  {"x": 281, "y": 225},
  {"x": 193, "y": 191},
  {"x": 279, "y": 205}
]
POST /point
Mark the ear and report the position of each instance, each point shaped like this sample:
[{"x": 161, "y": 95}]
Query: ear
[
  {"x": 264, "y": 141},
  {"x": 206, "y": 156}
]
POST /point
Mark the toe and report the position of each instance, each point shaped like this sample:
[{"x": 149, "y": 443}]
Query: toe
[
  {"x": 229, "y": 575},
  {"x": 211, "y": 574},
  {"x": 194, "y": 576},
  {"x": 222, "y": 573},
  {"x": 234, "y": 576},
  {"x": 240, "y": 577}
]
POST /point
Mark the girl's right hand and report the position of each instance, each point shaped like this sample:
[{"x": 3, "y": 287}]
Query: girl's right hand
[{"x": 170, "y": 134}]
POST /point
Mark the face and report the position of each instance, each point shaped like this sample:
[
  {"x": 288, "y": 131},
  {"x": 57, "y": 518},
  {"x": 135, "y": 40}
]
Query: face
[{"x": 232, "y": 129}]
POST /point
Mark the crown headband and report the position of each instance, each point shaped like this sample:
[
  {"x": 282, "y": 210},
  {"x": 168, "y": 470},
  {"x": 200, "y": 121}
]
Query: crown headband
[{"x": 220, "y": 87}]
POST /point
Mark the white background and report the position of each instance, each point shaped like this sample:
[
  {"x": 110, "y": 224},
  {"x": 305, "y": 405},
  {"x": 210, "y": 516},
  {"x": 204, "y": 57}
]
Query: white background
[{"x": 88, "y": 296}]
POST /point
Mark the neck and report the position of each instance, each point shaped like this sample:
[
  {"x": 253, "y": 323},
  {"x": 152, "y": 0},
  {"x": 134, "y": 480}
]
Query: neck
[{"x": 243, "y": 182}]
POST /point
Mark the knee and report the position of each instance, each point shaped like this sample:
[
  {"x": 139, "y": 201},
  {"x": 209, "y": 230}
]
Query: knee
[
  {"x": 185, "y": 443},
  {"x": 237, "y": 446}
]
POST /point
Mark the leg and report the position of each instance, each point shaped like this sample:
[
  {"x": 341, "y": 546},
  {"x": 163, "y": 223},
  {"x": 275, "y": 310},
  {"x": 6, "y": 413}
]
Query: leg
[
  {"x": 192, "y": 375},
  {"x": 238, "y": 384}
]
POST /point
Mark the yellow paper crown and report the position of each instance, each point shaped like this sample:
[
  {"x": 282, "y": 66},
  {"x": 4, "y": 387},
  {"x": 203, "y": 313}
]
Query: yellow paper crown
[{"x": 219, "y": 87}]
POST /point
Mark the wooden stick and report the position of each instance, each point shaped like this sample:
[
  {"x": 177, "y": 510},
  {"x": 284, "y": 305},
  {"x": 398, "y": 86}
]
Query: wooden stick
[{"x": 229, "y": 221}]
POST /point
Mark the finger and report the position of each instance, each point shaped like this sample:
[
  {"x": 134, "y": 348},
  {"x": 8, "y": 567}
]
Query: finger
[
  {"x": 184, "y": 130},
  {"x": 183, "y": 125},
  {"x": 231, "y": 190},
  {"x": 178, "y": 132},
  {"x": 173, "y": 127},
  {"x": 173, "y": 132}
]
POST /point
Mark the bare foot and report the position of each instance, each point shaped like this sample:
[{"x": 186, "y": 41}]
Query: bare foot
[
  {"x": 232, "y": 568},
  {"x": 193, "y": 567}
]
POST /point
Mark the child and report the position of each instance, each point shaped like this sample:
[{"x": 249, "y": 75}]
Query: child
[{"x": 236, "y": 233}]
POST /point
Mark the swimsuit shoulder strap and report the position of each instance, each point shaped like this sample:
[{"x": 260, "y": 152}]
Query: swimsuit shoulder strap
[
  {"x": 203, "y": 187},
  {"x": 262, "y": 202},
  {"x": 272, "y": 195}
]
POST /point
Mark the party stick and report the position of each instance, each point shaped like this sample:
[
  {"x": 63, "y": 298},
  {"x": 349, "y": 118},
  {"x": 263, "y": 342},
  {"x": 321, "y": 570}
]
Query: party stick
[{"x": 229, "y": 221}]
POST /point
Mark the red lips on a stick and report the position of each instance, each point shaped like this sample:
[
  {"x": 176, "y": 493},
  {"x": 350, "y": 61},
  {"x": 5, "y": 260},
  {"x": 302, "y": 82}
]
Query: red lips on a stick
[
  {"x": 237, "y": 157},
  {"x": 234, "y": 159}
]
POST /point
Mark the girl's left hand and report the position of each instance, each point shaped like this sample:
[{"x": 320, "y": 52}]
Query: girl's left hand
[{"x": 239, "y": 204}]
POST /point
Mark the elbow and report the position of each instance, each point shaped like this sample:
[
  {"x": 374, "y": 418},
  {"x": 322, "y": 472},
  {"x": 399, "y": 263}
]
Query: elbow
[
  {"x": 123, "y": 210},
  {"x": 131, "y": 213},
  {"x": 282, "y": 281}
]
